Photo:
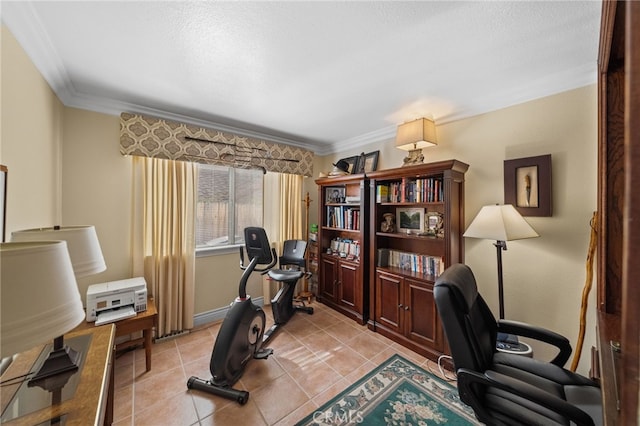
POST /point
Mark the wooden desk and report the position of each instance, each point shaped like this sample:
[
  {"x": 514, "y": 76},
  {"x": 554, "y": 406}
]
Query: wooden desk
[
  {"x": 144, "y": 321},
  {"x": 92, "y": 401}
]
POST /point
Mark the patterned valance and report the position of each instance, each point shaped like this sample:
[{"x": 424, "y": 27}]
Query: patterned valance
[{"x": 154, "y": 137}]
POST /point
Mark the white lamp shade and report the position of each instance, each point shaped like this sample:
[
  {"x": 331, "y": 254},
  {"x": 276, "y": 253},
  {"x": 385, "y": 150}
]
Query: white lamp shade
[
  {"x": 82, "y": 241},
  {"x": 40, "y": 297},
  {"x": 500, "y": 223},
  {"x": 416, "y": 134}
]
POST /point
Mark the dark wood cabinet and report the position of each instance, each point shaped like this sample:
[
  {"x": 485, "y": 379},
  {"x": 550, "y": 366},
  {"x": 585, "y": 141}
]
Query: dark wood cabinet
[
  {"x": 342, "y": 245},
  {"x": 405, "y": 311},
  {"x": 618, "y": 209},
  {"x": 427, "y": 204}
]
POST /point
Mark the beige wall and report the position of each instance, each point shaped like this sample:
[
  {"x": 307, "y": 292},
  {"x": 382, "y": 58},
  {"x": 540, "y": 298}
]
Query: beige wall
[
  {"x": 64, "y": 167},
  {"x": 30, "y": 143},
  {"x": 543, "y": 277}
]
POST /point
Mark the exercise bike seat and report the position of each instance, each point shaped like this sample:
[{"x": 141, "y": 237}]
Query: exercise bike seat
[{"x": 285, "y": 275}]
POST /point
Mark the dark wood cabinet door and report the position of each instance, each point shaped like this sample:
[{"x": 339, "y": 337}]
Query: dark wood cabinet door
[
  {"x": 421, "y": 317},
  {"x": 329, "y": 279},
  {"x": 349, "y": 286},
  {"x": 389, "y": 307}
]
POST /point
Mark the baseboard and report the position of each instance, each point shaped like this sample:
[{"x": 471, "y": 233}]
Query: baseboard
[{"x": 218, "y": 314}]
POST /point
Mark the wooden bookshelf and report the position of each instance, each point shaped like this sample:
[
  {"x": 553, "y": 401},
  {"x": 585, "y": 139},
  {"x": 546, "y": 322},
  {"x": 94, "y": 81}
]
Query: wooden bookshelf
[{"x": 401, "y": 302}]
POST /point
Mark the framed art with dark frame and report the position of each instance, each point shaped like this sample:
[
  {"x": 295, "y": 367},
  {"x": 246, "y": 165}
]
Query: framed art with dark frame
[
  {"x": 368, "y": 162},
  {"x": 353, "y": 164},
  {"x": 410, "y": 220},
  {"x": 3, "y": 200},
  {"x": 527, "y": 185},
  {"x": 334, "y": 194}
]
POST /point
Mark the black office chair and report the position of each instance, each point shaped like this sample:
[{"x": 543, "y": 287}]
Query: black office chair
[{"x": 504, "y": 388}]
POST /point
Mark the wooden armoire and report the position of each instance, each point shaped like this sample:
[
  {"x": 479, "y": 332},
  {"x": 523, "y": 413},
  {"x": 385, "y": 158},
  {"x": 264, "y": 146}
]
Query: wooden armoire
[{"x": 619, "y": 210}]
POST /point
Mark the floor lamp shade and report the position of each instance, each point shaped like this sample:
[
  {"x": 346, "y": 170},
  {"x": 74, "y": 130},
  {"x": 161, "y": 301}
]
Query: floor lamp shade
[
  {"x": 40, "y": 297},
  {"x": 82, "y": 241},
  {"x": 500, "y": 223}
]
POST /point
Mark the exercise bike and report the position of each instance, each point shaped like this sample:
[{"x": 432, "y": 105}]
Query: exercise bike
[{"x": 242, "y": 334}]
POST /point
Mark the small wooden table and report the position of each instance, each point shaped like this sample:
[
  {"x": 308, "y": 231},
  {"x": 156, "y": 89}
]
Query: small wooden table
[
  {"x": 144, "y": 321},
  {"x": 92, "y": 401}
]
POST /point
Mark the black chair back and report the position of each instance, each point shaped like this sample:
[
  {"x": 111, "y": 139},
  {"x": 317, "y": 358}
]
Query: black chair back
[
  {"x": 468, "y": 323},
  {"x": 293, "y": 253}
]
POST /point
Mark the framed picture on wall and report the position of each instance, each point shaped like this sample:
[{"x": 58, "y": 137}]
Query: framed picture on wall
[
  {"x": 527, "y": 185},
  {"x": 3, "y": 201}
]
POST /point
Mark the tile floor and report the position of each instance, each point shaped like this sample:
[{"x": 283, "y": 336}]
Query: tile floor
[{"x": 315, "y": 358}]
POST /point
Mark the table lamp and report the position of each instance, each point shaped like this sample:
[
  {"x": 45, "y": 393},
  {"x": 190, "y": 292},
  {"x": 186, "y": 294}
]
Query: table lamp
[
  {"x": 82, "y": 242},
  {"x": 414, "y": 135},
  {"x": 501, "y": 223},
  {"x": 85, "y": 257},
  {"x": 40, "y": 302}
]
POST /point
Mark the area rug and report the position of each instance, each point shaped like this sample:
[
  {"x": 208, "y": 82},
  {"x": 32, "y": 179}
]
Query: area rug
[{"x": 397, "y": 392}]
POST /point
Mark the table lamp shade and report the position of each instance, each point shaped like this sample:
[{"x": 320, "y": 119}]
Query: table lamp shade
[
  {"x": 40, "y": 297},
  {"x": 500, "y": 223},
  {"x": 82, "y": 241},
  {"x": 415, "y": 134}
]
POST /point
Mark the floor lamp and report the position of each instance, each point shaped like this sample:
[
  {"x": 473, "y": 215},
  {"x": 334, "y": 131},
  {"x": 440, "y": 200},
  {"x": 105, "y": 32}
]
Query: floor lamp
[{"x": 501, "y": 223}]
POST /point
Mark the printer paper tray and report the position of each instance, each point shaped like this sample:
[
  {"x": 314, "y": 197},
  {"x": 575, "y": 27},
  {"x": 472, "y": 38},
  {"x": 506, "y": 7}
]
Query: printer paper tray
[{"x": 115, "y": 315}]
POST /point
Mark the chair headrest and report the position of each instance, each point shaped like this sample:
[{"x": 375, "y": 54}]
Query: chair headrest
[{"x": 460, "y": 280}]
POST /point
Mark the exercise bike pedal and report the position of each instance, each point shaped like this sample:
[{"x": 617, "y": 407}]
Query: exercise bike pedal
[{"x": 263, "y": 353}]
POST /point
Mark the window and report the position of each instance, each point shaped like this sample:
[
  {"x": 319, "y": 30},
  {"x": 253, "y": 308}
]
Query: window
[{"x": 229, "y": 200}]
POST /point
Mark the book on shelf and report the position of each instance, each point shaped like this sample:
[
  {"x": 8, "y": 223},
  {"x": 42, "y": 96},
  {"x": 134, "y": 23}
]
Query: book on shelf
[
  {"x": 349, "y": 249},
  {"x": 422, "y": 190},
  {"x": 420, "y": 263},
  {"x": 382, "y": 193},
  {"x": 344, "y": 217},
  {"x": 410, "y": 190}
]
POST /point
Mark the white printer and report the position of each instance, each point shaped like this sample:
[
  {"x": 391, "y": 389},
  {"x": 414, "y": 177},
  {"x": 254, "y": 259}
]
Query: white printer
[{"x": 116, "y": 300}]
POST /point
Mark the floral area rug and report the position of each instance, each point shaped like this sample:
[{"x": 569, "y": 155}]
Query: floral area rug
[{"x": 397, "y": 392}]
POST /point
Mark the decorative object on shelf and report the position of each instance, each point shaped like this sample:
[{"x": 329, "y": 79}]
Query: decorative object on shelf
[
  {"x": 434, "y": 224},
  {"x": 389, "y": 223},
  {"x": 501, "y": 223},
  {"x": 410, "y": 220},
  {"x": 414, "y": 135},
  {"x": 368, "y": 162},
  {"x": 341, "y": 168},
  {"x": 527, "y": 185}
]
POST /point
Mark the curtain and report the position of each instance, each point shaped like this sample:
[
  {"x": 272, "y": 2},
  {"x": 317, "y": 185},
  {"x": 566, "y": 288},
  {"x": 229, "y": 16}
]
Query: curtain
[
  {"x": 291, "y": 208},
  {"x": 283, "y": 213},
  {"x": 168, "y": 244}
]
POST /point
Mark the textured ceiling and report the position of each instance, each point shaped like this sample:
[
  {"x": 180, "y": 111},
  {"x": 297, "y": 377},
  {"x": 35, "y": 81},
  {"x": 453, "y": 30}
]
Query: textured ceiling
[{"x": 321, "y": 75}]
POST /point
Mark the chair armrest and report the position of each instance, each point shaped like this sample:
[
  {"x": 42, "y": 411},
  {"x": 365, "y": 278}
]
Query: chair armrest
[
  {"x": 468, "y": 382},
  {"x": 541, "y": 334}
]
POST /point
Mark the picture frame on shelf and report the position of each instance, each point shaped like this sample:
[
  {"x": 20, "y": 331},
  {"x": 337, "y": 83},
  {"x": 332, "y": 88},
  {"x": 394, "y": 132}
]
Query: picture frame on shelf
[
  {"x": 434, "y": 224},
  {"x": 334, "y": 194},
  {"x": 527, "y": 185},
  {"x": 353, "y": 164},
  {"x": 368, "y": 162},
  {"x": 410, "y": 220}
]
